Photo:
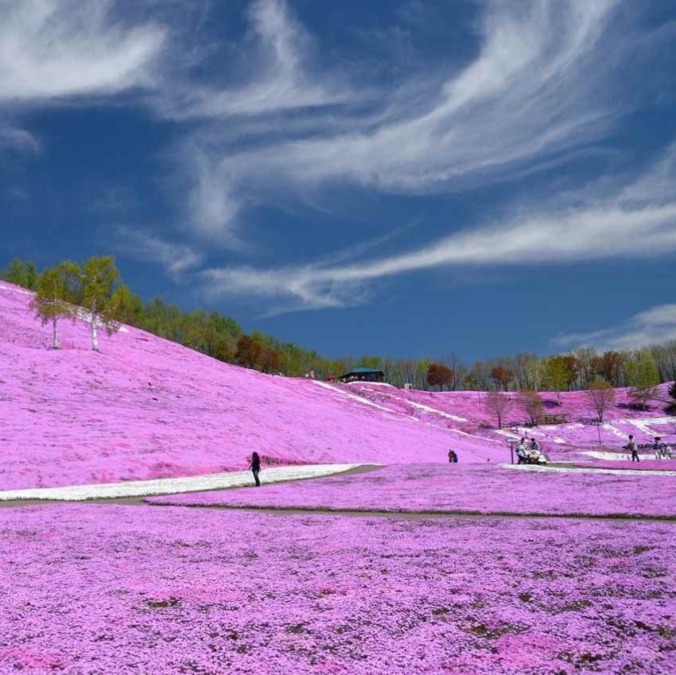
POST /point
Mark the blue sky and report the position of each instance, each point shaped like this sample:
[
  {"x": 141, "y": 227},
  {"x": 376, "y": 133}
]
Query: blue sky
[{"x": 405, "y": 178}]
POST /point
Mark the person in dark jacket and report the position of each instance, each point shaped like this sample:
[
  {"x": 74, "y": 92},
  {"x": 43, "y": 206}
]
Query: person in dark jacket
[{"x": 255, "y": 467}]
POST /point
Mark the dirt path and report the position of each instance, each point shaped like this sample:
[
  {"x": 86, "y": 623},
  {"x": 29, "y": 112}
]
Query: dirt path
[
  {"x": 355, "y": 513},
  {"x": 294, "y": 510}
]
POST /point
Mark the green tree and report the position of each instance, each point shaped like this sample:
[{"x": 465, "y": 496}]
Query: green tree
[
  {"x": 55, "y": 297},
  {"x": 560, "y": 372},
  {"x": 420, "y": 377},
  {"x": 127, "y": 307},
  {"x": 643, "y": 379},
  {"x": 21, "y": 273},
  {"x": 99, "y": 281}
]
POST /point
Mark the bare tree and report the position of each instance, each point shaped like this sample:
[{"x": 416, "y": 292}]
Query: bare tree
[
  {"x": 602, "y": 396},
  {"x": 532, "y": 405},
  {"x": 498, "y": 403},
  {"x": 454, "y": 363}
]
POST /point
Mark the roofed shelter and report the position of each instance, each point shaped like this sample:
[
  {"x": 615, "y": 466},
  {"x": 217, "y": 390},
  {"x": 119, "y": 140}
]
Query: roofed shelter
[{"x": 363, "y": 375}]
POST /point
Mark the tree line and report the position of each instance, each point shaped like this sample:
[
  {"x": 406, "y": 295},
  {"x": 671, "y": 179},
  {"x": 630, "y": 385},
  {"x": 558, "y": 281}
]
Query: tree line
[{"x": 96, "y": 286}]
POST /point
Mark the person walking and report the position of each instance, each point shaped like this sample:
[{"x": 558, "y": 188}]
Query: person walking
[
  {"x": 255, "y": 467},
  {"x": 658, "y": 447},
  {"x": 633, "y": 448}
]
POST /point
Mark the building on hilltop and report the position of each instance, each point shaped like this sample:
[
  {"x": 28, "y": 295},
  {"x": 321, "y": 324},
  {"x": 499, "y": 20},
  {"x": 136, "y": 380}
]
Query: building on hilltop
[{"x": 363, "y": 375}]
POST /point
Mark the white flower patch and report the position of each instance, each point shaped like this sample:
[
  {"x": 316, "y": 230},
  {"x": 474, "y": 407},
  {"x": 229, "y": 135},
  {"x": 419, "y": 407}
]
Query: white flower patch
[
  {"x": 441, "y": 413},
  {"x": 565, "y": 469},
  {"x": 16, "y": 289},
  {"x": 359, "y": 399},
  {"x": 168, "y": 486}
]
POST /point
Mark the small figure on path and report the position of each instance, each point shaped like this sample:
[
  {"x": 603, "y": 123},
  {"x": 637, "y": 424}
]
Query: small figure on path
[
  {"x": 633, "y": 448},
  {"x": 452, "y": 456},
  {"x": 658, "y": 447},
  {"x": 521, "y": 451},
  {"x": 255, "y": 467}
]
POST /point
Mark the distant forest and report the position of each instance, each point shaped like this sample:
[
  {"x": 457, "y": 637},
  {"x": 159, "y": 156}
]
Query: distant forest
[{"x": 222, "y": 338}]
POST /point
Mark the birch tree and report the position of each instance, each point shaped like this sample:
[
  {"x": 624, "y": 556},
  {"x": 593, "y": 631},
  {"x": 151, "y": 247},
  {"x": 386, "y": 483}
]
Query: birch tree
[{"x": 99, "y": 279}]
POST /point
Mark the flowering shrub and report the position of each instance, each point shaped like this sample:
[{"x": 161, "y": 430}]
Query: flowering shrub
[
  {"x": 473, "y": 488},
  {"x": 124, "y": 589}
]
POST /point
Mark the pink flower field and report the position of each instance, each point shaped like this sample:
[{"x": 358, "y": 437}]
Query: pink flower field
[
  {"x": 134, "y": 588},
  {"x": 472, "y": 488},
  {"x": 127, "y": 589},
  {"x": 146, "y": 408}
]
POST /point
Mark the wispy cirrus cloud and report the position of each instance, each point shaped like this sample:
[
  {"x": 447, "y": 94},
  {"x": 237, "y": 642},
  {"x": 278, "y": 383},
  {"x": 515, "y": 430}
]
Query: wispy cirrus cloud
[
  {"x": 55, "y": 49},
  {"x": 283, "y": 79},
  {"x": 636, "y": 219},
  {"x": 538, "y": 87},
  {"x": 653, "y": 326},
  {"x": 62, "y": 50},
  {"x": 175, "y": 258},
  {"x": 21, "y": 140}
]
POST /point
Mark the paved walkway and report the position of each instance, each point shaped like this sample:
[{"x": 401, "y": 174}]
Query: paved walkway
[
  {"x": 169, "y": 486},
  {"x": 559, "y": 468}
]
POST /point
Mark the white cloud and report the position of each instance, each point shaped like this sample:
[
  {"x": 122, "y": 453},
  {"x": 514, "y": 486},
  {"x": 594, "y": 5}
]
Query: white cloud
[
  {"x": 538, "y": 87},
  {"x": 653, "y": 326},
  {"x": 145, "y": 247},
  {"x": 18, "y": 139},
  {"x": 627, "y": 224},
  {"x": 212, "y": 210},
  {"x": 53, "y": 49},
  {"x": 283, "y": 80}
]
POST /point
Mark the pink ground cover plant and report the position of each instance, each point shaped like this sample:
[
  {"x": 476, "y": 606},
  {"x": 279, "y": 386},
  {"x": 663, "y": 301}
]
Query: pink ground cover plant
[
  {"x": 147, "y": 408},
  {"x": 452, "y": 488},
  {"x": 131, "y": 589}
]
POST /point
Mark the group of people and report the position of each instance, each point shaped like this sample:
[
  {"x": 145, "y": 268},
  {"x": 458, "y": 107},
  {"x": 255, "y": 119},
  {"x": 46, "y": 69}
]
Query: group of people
[
  {"x": 662, "y": 450},
  {"x": 528, "y": 452},
  {"x": 452, "y": 457}
]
